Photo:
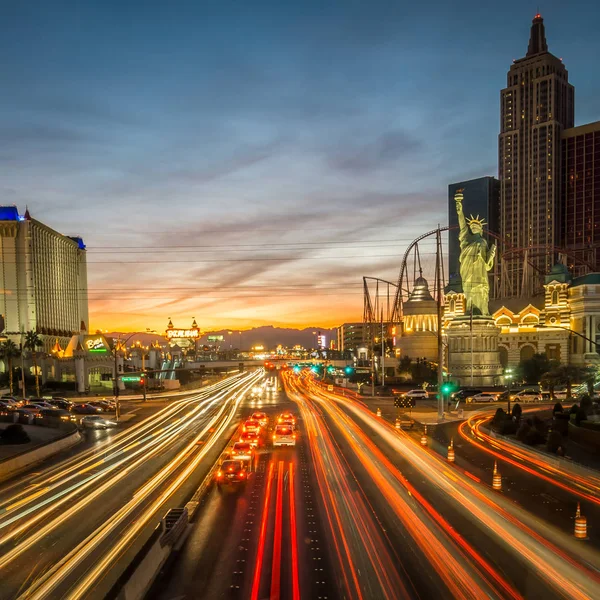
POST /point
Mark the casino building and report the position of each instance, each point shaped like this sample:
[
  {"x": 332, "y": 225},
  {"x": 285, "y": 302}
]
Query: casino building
[{"x": 43, "y": 280}]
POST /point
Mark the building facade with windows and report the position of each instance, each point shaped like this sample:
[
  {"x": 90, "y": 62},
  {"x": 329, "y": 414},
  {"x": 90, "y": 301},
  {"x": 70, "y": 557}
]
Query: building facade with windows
[
  {"x": 536, "y": 106},
  {"x": 43, "y": 280},
  {"x": 581, "y": 197}
]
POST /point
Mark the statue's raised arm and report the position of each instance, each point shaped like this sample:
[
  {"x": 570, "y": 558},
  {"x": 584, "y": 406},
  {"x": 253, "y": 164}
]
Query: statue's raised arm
[{"x": 462, "y": 222}]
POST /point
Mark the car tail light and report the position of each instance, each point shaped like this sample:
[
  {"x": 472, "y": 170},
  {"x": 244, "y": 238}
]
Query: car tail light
[
  {"x": 219, "y": 474},
  {"x": 242, "y": 474},
  {"x": 294, "y": 436},
  {"x": 274, "y": 436}
]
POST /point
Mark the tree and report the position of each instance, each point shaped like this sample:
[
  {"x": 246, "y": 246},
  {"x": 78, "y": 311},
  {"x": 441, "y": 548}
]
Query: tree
[
  {"x": 564, "y": 375},
  {"x": 532, "y": 369},
  {"x": 8, "y": 351},
  {"x": 404, "y": 363},
  {"x": 589, "y": 376},
  {"x": 32, "y": 343}
]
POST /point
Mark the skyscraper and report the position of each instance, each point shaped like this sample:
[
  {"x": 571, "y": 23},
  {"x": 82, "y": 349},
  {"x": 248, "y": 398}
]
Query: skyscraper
[
  {"x": 481, "y": 198},
  {"x": 535, "y": 107},
  {"x": 581, "y": 197}
]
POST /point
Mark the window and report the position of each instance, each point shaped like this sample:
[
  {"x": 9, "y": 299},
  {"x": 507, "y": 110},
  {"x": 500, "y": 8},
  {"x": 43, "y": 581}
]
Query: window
[{"x": 555, "y": 297}]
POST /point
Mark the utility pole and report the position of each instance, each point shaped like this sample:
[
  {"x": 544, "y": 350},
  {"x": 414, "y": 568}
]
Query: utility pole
[
  {"x": 382, "y": 352},
  {"x": 22, "y": 367},
  {"x": 440, "y": 369}
]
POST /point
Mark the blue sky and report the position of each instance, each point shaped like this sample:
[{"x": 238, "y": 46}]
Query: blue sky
[{"x": 248, "y": 162}]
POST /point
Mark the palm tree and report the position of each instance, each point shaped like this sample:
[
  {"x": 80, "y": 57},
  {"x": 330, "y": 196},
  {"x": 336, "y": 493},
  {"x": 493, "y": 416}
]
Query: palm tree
[
  {"x": 562, "y": 375},
  {"x": 32, "y": 342},
  {"x": 8, "y": 351}
]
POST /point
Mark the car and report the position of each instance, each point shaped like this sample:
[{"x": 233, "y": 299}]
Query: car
[
  {"x": 416, "y": 394},
  {"x": 58, "y": 413},
  {"x": 61, "y": 403},
  {"x": 527, "y": 396},
  {"x": 485, "y": 397},
  {"x": 32, "y": 408},
  {"x": 85, "y": 409},
  {"x": 284, "y": 436},
  {"x": 40, "y": 402},
  {"x": 252, "y": 425},
  {"x": 231, "y": 472},
  {"x": 97, "y": 422},
  {"x": 286, "y": 416},
  {"x": 11, "y": 400},
  {"x": 261, "y": 417},
  {"x": 465, "y": 393},
  {"x": 102, "y": 405},
  {"x": 250, "y": 437},
  {"x": 6, "y": 407},
  {"x": 242, "y": 451}
]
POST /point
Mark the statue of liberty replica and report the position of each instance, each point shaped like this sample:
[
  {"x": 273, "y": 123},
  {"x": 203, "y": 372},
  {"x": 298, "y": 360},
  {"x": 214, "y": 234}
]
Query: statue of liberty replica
[
  {"x": 476, "y": 259},
  {"x": 473, "y": 357}
]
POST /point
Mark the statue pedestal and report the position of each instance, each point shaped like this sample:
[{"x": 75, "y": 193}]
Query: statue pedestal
[{"x": 486, "y": 370}]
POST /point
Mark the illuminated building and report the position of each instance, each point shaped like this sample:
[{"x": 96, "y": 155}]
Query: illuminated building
[
  {"x": 43, "y": 280},
  {"x": 581, "y": 197},
  {"x": 536, "y": 106},
  {"x": 484, "y": 200},
  {"x": 548, "y": 324},
  {"x": 418, "y": 337}
]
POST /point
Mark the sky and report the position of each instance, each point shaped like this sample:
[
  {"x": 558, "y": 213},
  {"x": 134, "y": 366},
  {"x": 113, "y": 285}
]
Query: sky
[{"x": 247, "y": 162}]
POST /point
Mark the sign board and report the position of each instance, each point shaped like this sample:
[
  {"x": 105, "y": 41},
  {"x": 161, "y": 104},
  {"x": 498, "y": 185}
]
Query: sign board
[
  {"x": 95, "y": 343},
  {"x": 216, "y": 338},
  {"x": 183, "y": 334},
  {"x": 130, "y": 378}
]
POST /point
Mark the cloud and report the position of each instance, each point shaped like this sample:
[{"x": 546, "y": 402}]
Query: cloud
[{"x": 387, "y": 149}]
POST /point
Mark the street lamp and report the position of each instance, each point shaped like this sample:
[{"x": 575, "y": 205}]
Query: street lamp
[
  {"x": 115, "y": 353},
  {"x": 508, "y": 375}
]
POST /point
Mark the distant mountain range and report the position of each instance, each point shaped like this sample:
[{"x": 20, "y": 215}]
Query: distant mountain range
[{"x": 268, "y": 336}]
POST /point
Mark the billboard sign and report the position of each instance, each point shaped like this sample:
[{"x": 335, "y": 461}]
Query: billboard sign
[{"x": 216, "y": 338}]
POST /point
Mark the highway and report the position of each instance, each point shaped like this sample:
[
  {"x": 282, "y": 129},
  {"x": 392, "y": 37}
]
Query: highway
[
  {"x": 261, "y": 540},
  {"x": 69, "y": 529},
  {"x": 468, "y": 538}
]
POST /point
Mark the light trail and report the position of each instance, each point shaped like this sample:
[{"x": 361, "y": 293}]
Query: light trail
[
  {"x": 276, "y": 567},
  {"x": 587, "y": 488},
  {"x": 567, "y": 577},
  {"x": 46, "y": 584},
  {"x": 294, "y": 536},
  {"x": 260, "y": 552},
  {"x": 369, "y": 571}
]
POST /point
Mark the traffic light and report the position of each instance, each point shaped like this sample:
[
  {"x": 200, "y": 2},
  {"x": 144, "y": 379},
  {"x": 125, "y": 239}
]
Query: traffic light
[
  {"x": 296, "y": 369},
  {"x": 349, "y": 370},
  {"x": 446, "y": 388},
  {"x": 330, "y": 369}
]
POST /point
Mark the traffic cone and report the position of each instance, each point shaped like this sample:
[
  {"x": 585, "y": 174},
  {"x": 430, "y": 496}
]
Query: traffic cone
[
  {"x": 424, "y": 437},
  {"x": 451, "y": 451},
  {"x": 580, "y": 525},
  {"x": 398, "y": 423},
  {"x": 497, "y": 480},
  {"x": 378, "y": 412}
]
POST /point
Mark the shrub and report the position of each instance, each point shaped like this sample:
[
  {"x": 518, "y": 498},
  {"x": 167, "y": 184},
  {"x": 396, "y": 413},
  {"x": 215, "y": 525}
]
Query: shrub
[
  {"x": 554, "y": 441},
  {"x": 539, "y": 424},
  {"x": 523, "y": 431},
  {"x": 561, "y": 423},
  {"x": 558, "y": 408},
  {"x": 14, "y": 434},
  {"x": 580, "y": 416},
  {"x": 508, "y": 427},
  {"x": 573, "y": 410},
  {"x": 534, "y": 437},
  {"x": 517, "y": 411},
  {"x": 585, "y": 403},
  {"x": 499, "y": 417}
]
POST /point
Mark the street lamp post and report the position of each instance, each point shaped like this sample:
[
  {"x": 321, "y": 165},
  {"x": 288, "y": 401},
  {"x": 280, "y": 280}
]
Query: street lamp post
[
  {"x": 509, "y": 376},
  {"x": 115, "y": 352}
]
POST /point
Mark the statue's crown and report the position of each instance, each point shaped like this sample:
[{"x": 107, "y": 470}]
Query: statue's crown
[{"x": 477, "y": 221}]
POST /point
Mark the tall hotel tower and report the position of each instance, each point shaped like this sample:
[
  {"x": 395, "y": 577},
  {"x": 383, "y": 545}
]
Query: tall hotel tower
[{"x": 535, "y": 107}]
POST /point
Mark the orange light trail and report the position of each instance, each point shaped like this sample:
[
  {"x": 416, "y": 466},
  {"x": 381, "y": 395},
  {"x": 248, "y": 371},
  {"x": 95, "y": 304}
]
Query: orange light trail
[
  {"x": 262, "y": 536},
  {"x": 276, "y": 567},
  {"x": 294, "y": 537}
]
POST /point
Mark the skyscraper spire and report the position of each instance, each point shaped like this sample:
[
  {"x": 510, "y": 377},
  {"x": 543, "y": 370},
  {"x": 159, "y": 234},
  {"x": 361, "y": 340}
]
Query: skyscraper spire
[{"x": 537, "y": 39}]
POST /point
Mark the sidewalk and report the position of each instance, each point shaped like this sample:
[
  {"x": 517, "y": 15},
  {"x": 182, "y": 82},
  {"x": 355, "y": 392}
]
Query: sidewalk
[{"x": 426, "y": 412}]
